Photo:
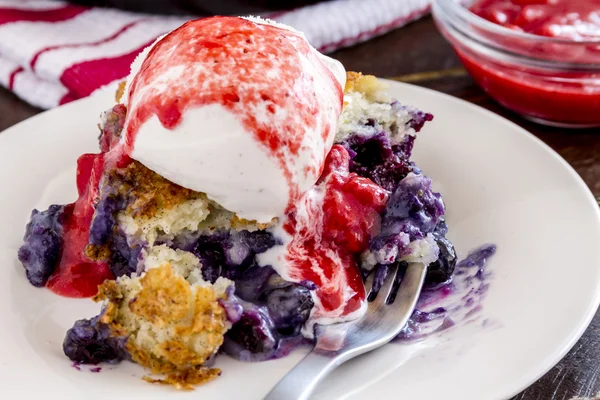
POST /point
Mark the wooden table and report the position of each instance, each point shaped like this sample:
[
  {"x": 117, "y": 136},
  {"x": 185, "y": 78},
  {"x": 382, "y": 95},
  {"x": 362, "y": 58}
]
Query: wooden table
[{"x": 419, "y": 55}]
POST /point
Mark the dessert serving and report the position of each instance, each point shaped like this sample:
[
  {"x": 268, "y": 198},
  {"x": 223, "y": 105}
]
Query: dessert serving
[{"x": 245, "y": 187}]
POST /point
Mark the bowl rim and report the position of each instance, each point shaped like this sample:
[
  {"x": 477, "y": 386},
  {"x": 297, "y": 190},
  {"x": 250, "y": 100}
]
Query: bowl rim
[
  {"x": 454, "y": 22},
  {"x": 458, "y": 8}
]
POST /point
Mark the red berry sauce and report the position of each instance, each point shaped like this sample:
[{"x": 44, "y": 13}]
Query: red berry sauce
[
  {"x": 570, "y": 19},
  {"x": 76, "y": 275},
  {"x": 329, "y": 228},
  {"x": 560, "y": 96}
]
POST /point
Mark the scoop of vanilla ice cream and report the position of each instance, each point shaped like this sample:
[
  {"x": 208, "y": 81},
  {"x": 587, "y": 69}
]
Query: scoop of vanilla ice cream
[{"x": 256, "y": 111}]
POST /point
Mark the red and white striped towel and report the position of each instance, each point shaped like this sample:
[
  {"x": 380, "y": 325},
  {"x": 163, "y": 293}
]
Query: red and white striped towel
[{"x": 52, "y": 52}]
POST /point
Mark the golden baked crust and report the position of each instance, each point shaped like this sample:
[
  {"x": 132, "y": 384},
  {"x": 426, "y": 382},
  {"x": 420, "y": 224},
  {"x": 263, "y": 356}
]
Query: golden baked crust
[
  {"x": 152, "y": 196},
  {"x": 120, "y": 91},
  {"x": 186, "y": 322},
  {"x": 241, "y": 223},
  {"x": 164, "y": 298},
  {"x": 149, "y": 193},
  {"x": 368, "y": 85},
  {"x": 186, "y": 380},
  {"x": 98, "y": 253}
]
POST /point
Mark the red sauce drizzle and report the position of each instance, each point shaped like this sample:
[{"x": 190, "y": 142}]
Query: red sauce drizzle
[
  {"x": 329, "y": 234},
  {"x": 76, "y": 275}
]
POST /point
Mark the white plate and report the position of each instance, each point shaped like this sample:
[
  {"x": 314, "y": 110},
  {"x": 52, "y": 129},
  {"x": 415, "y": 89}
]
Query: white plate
[{"x": 500, "y": 185}]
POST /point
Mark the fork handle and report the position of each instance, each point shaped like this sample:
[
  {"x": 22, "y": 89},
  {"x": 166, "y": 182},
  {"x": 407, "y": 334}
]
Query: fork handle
[
  {"x": 339, "y": 343},
  {"x": 299, "y": 383}
]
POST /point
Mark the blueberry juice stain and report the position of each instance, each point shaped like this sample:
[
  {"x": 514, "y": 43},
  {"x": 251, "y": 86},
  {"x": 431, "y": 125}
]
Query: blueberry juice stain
[{"x": 457, "y": 302}]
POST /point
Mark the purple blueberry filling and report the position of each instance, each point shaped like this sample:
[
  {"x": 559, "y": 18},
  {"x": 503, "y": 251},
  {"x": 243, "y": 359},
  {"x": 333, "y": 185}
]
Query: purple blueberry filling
[
  {"x": 286, "y": 306},
  {"x": 42, "y": 245},
  {"x": 89, "y": 341},
  {"x": 269, "y": 328},
  {"x": 105, "y": 218},
  {"x": 229, "y": 254},
  {"x": 289, "y": 308},
  {"x": 418, "y": 118},
  {"x": 124, "y": 258},
  {"x": 413, "y": 208},
  {"x": 272, "y": 308},
  {"x": 413, "y": 211},
  {"x": 103, "y": 231},
  {"x": 440, "y": 271},
  {"x": 375, "y": 157},
  {"x": 452, "y": 302},
  {"x": 253, "y": 337}
]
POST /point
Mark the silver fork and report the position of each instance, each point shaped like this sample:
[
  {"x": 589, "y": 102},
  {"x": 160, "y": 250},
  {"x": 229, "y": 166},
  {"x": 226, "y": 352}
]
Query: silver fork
[{"x": 339, "y": 343}]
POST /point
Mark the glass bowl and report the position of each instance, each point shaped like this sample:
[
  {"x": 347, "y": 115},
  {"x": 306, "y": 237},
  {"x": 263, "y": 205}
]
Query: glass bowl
[{"x": 553, "y": 81}]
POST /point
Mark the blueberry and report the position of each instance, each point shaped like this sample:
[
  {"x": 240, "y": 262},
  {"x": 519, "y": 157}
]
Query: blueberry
[
  {"x": 413, "y": 209},
  {"x": 415, "y": 204},
  {"x": 404, "y": 148},
  {"x": 440, "y": 271},
  {"x": 441, "y": 229},
  {"x": 42, "y": 245},
  {"x": 236, "y": 250},
  {"x": 419, "y": 118},
  {"x": 105, "y": 217},
  {"x": 90, "y": 342},
  {"x": 124, "y": 258},
  {"x": 375, "y": 157},
  {"x": 241, "y": 247},
  {"x": 230, "y": 254},
  {"x": 210, "y": 249},
  {"x": 260, "y": 241},
  {"x": 234, "y": 308},
  {"x": 412, "y": 212},
  {"x": 289, "y": 308},
  {"x": 373, "y": 151},
  {"x": 252, "y": 337},
  {"x": 251, "y": 284}
]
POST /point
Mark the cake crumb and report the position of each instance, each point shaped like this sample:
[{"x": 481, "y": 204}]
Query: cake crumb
[
  {"x": 120, "y": 91},
  {"x": 186, "y": 380},
  {"x": 171, "y": 326},
  {"x": 368, "y": 85}
]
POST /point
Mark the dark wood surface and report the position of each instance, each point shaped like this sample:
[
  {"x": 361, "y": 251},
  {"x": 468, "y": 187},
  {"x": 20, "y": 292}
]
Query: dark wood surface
[{"x": 419, "y": 55}]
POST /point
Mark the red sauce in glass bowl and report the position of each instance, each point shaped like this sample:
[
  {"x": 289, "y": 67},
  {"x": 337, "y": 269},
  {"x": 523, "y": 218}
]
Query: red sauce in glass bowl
[
  {"x": 557, "y": 83},
  {"x": 570, "y": 19}
]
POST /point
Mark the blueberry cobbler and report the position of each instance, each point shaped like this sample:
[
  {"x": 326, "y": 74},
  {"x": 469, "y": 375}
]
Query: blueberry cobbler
[{"x": 245, "y": 187}]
